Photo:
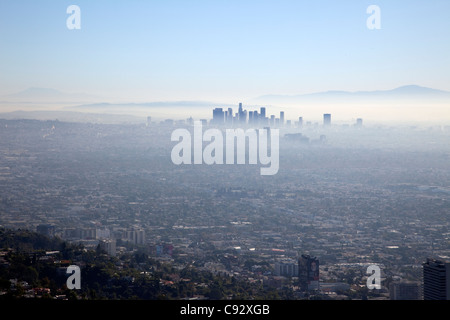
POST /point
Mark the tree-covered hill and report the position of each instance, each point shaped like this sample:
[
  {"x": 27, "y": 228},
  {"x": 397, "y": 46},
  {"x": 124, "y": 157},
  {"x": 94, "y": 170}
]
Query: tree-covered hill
[{"x": 34, "y": 266}]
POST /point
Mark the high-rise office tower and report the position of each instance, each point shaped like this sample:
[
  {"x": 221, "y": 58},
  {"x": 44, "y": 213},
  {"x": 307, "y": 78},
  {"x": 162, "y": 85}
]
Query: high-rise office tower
[
  {"x": 300, "y": 122},
  {"x": 256, "y": 117},
  {"x": 359, "y": 122},
  {"x": 263, "y": 112},
  {"x": 281, "y": 118},
  {"x": 230, "y": 116},
  {"x": 436, "y": 280},
  {"x": 242, "y": 114},
  {"x": 218, "y": 116},
  {"x": 250, "y": 117},
  {"x": 263, "y": 120},
  {"x": 326, "y": 119},
  {"x": 308, "y": 273}
]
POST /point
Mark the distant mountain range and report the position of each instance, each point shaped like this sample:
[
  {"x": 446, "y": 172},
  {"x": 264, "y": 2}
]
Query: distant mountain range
[
  {"x": 85, "y": 101},
  {"x": 40, "y": 95},
  {"x": 71, "y": 116},
  {"x": 45, "y": 103},
  {"x": 158, "y": 104},
  {"x": 404, "y": 92}
]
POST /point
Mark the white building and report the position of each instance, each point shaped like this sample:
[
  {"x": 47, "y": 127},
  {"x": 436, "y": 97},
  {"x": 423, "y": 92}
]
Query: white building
[
  {"x": 286, "y": 268},
  {"x": 134, "y": 236},
  {"x": 109, "y": 246}
]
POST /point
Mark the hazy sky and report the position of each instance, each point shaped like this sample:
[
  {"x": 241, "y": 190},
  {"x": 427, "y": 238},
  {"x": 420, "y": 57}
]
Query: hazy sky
[{"x": 222, "y": 50}]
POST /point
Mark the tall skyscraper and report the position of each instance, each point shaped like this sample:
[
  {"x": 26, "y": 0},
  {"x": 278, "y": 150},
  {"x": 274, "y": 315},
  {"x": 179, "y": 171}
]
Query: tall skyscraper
[
  {"x": 230, "y": 116},
  {"x": 263, "y": 112},
  {"x": 263, "y": 120},
  {"x": 359, "y": 122},
  {"x": 436, "y": 280},
  {"x": 218, "y": 116},
  {"x": 326, "y": 119},
  {"x": 281, "y": 118},
  {"x": 242, "y": 114},
  {"x": 272, "y": 120},
  {"x": 300, "y": 122},
  {"x": 308, "y": 273}
]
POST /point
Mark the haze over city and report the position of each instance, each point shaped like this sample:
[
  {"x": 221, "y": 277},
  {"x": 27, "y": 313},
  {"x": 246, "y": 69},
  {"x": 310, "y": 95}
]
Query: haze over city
[
  {"x": 228, "y": 52},
  {"x": 224, "y": 150}
]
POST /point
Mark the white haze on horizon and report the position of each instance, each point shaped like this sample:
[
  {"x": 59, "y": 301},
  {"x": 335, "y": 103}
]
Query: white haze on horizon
[{"x": 399, "y": 111}]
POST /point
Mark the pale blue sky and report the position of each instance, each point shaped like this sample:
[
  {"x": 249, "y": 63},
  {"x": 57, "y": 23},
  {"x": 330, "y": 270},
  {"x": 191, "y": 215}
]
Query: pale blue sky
[{"x": 222, "y": 50}]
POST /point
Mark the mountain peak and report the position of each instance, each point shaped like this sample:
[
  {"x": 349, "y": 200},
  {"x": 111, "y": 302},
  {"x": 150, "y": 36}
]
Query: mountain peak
[
  {"x": 39, "y": 91},
  {"x": 399, "y": 92},
  {"x": 39, "y": 94},
  {"x": 414, "y": 89}
]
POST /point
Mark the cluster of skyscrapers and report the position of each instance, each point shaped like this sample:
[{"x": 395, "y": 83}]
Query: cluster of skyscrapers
[{"x": 243, "y": 117}]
